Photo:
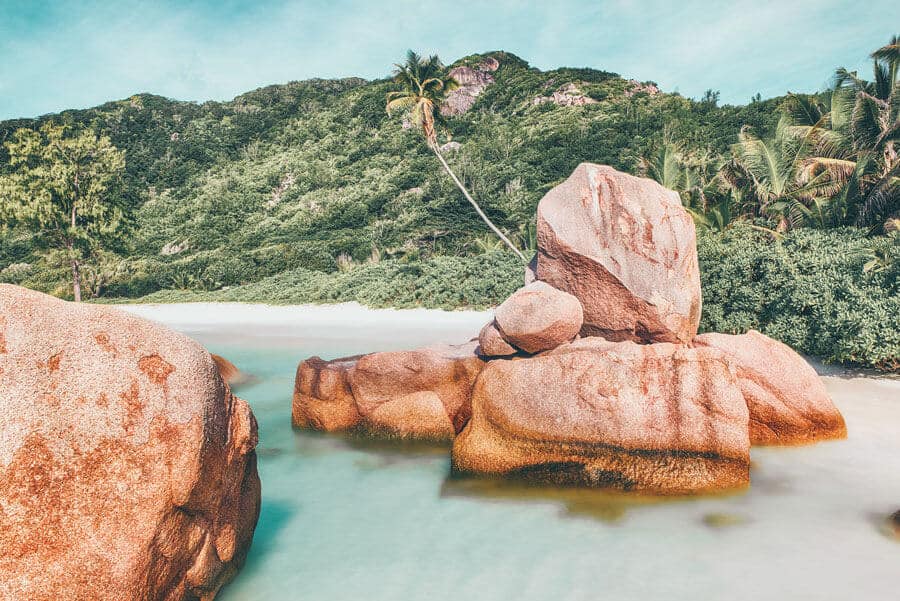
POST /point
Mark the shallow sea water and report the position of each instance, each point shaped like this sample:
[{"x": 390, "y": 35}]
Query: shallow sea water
[{"x": 345, "y": 519}]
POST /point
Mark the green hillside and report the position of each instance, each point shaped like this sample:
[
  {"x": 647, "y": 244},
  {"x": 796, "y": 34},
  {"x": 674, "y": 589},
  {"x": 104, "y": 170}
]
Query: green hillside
[
  {"x": 310, "y": 192},
  {"x": 307, "y": 173}
]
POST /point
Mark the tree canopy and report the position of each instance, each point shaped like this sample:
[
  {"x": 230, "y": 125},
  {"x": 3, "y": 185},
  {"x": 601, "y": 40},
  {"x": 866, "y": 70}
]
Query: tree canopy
[{"x": 63, "y": 188}]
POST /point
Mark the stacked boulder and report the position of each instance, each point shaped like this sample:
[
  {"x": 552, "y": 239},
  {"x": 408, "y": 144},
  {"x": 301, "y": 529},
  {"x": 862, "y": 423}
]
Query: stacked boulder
[
  {"x": 593, "y": 372},
  {"x": 127, "y": 466}
]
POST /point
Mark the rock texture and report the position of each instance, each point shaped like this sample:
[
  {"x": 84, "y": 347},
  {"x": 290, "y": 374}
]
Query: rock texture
[
  {"x": 421, "y": 394},
  {"x": 788, "y": 402},
  {"x": 472, "y": 82},
  {"x": 638, "y": 402},
  {"x": 322, "y": 396},
  {"x": 661, "y": 418},
  {"x": 127, "y": 467},
  {"x": 626, "y": 248},
  {"x": 492, "y": 344},
  {"x": 539, "y": 317},
  {"x": 567, "y": 95}
]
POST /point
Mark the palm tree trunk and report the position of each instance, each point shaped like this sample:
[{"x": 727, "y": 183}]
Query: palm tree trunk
[
  {"x": 76, "y": 281},
  {"x": 481, "y": 214}
]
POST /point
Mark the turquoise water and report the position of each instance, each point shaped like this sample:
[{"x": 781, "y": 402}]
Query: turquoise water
[{"x": 346, "y": 520}]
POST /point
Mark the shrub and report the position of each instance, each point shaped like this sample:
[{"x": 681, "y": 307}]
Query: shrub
[{"x": 810, "y": 289}]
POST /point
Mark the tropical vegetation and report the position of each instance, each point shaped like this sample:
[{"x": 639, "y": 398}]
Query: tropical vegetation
[
  {"x": 62, "y": 190},
  {"x": 313, "y": 192}
]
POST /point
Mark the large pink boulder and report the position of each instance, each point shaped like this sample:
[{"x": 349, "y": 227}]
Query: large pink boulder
[
  {"x": 626, "y": 248},
  {"x": 421, "y": 394},
  {"x": 539, "y": 317},
  {"x": 787, "y": 400},
  {"x": 127, "y": 467},
  {"x": 660, "y": 418}
]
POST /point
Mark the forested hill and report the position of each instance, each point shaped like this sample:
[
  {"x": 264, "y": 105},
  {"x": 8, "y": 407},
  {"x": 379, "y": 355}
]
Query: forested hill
[{"x": 313, "y": 173}]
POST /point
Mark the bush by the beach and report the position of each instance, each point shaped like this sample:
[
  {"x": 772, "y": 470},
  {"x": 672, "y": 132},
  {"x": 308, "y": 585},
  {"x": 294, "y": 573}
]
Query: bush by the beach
[
  {"x": 834, "y": 293},
  {"x": 440, "y": 282}
]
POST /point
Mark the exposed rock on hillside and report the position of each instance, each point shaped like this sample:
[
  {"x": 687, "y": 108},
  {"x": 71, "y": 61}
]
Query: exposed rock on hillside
[
  {"x": 567, "y": 95},
  {"x": 787, "y": 400},
  {"x": 659, "y": 417},
  {"x": 472, "y": 82},
  {"x": 636, "y": 87},
  {"x": 626, "y": 248},
  {"x": 127, "y": 467}
]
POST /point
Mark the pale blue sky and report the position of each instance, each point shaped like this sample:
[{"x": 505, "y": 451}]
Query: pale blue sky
[{"x": 57, "y": 54}]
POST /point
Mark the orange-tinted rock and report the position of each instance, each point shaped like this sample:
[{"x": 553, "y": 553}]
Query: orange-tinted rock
[
  {"x": 492, "y": 344},
  {"x": 322, "y": 396},
  {"x": 660, "y": 418},
  {"x": 229, "y": 371},
  {"x": 127, "y": 467},
  {"x": 447, "y": 371},
  {"x": 787, "y": 400},
  {"x": 894, "y": 523},
  {"x": 626, "y": 248},
  {"x": 407, "y": 394},
  {"x": 419, "y": 415},
  {"x": 539, "y": 317}
]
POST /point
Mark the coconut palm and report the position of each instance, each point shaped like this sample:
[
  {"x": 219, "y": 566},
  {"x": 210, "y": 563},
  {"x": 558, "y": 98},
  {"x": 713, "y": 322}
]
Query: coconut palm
[
  {"x": 766, "y": 172},
  {"x": 425, "y": 84},
  {"x": 697, "y": 177},
  {"x": 856, "y": 128},
  {"x": 665, "y": 165}
]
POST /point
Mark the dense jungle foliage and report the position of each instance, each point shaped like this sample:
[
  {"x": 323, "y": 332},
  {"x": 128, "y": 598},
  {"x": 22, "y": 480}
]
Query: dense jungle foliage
[{"x": 311, "y": 192}]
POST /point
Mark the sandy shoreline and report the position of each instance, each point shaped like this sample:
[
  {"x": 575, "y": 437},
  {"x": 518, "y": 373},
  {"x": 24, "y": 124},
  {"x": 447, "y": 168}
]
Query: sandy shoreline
[
  {"x": 344, "y": 325},
  {"x": 354, "y": 325}
]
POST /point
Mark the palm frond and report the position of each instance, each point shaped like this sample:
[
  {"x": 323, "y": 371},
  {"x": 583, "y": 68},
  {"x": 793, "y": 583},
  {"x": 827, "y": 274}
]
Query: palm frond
[
  {"x": 865, "y": 121},
  {"x": 804, "y": 110}
]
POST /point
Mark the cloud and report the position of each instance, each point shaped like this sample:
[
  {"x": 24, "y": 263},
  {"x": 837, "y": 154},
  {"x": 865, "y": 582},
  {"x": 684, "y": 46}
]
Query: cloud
[{"x": 77, "y": 54}]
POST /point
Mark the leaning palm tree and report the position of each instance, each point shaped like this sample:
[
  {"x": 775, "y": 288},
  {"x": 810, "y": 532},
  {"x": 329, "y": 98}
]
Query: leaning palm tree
[{"x": 425, "y": 84}]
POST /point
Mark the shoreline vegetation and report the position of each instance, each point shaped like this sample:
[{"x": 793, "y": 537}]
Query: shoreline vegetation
[
  {"x": 809, "y": 289},
  {"x": 312, "y": 192}
]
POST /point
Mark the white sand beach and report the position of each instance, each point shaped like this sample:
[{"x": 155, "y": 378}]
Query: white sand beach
[{"x": 337, "y": 325}]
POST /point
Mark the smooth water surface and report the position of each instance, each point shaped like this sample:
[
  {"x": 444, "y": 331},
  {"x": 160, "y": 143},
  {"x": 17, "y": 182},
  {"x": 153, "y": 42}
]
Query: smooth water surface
[{"x": 349, "y": 520}]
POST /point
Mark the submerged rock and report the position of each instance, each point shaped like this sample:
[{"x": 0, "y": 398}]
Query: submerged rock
[
  {"x": 661, "y": 418},
  {"x": 419, "y": 394},
  {"x": 894, "y": 523},
  {"x": 539, "y": 317},
  {"x": 626, "y": 248},
  {"x": 229, "y": 371},
  {"x": 787, "y": 400},
  {"x": 128, "y": 467}
]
